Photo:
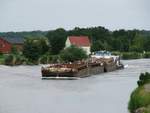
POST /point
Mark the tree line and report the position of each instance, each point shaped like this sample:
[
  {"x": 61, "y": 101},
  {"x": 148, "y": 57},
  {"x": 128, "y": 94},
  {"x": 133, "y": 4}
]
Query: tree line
[
  {"x": 39, "y": 43},
  {"x": 101, "y": 38}
]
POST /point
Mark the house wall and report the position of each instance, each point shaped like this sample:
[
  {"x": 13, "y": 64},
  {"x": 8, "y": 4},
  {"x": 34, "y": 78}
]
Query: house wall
[
  {"x": 5, "y": 47},
  {"x": 67, "y": 43},
  {"x": 87, "y": 49}
]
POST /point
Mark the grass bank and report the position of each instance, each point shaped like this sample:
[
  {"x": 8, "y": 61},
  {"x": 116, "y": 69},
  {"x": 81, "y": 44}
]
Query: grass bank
[
  {"x": 19, "y": 59},
  {"x": 140, "y": 100},
  {"x": 140, "y": 97},
  {"x": 132, "y": 55}
]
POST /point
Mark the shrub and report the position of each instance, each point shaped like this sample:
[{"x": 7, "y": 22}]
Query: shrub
[
  {"x": 20, "y": 60},
  {"x": 9, "y": 60},
  {"x": 143, "y": 79},
  {"x": 116, "y": 53},
  {"x": 139, "y": 98},
  {"x": 54, "y": 59},
  {"x": 14, "y": 50},
  {"x": 131, "y": 55},
  {"x": 1, "y": 58},
  {"x": 44, "y": 59},
  {"x": 13, "y": 59},
  {"x": 146, "y": 55},
  {"x": 73, "y": 53},
  {"x": 34, "y": 48}
]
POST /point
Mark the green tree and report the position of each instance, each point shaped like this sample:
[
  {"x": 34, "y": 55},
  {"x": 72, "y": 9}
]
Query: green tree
[
  {"x": 73, "y": 53},
  {"x": 147, "y": 44},
  {"x": 138, "y": 44},
  {"x": 14, "y": 50},
  {"x": 97, "y": 46},
  {"x": 57, "y": 40},
  {"x": 34, "y": 48}
]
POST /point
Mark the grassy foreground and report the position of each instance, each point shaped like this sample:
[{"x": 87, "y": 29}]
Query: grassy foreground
[
  {"x": 140, "y": 100},
  {"x": 140, "y": 97}
]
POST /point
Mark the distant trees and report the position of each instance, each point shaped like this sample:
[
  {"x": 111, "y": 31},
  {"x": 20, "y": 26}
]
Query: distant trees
[
  {"x": 34, "y": 48},
  {"x": 73, "y": 53},
  {"x": 48, "y": 46},
  {"x": 101, "y": 38},
  {"x": 97, "y": 46},
  {"x": 138, "y": 44}
]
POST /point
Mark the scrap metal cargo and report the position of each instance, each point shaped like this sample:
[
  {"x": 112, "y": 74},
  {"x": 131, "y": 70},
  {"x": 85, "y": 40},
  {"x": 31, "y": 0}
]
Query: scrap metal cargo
[{"x": 99, "y": 63}]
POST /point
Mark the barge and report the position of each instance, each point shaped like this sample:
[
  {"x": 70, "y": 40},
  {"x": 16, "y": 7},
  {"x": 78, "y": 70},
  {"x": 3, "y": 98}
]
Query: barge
[{"x": 95, "y": 65}]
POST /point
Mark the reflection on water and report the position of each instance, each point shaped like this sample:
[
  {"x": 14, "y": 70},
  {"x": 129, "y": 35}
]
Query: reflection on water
[{"x": 23, "y": 91}]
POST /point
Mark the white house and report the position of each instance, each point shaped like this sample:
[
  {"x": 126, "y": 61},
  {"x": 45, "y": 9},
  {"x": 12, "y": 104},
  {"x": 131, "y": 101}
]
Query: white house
[{"x": 79, "y": 41}]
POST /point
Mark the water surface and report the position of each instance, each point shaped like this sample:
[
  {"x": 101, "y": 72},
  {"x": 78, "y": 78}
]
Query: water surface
[{"x": 23, "y": 91}]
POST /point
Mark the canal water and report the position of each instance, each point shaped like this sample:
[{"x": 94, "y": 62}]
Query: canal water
[{"x": 23, "y": 91}]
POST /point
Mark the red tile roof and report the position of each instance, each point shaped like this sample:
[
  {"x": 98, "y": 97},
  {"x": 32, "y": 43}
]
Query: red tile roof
[{"x": 79, "y": 40}]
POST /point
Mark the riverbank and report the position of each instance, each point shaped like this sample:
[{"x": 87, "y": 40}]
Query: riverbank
[
  {"x": 132, "y": 55},
  {"x": 140, "y": 97},
  {"x": 13, "y": 59}
]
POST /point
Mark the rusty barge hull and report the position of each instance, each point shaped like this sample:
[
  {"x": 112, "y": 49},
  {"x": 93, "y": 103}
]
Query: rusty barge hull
[{"x": 80, "y": 71}]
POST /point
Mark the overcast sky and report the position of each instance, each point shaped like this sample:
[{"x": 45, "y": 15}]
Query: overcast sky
[{"x": 26, "y": 15}]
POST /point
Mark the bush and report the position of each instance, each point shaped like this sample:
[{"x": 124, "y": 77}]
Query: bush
[
  {"x": 116, "y": 53},
  {"x": 139, "y": 98},
  {"x": 54, "y": 59},
  {"x": 146, "y": 55},
  {"x": 1, "y": 58},
  {"x": 12, "y": 59},
  {"x": 131, "y": 55},
  {"x": 9, "y": 60},
  {"x": 44, "y": 59},
  {"x": 72, "y": 54},
  {"x": 34, "y": 48},
  {"x": 14, "y": 50},
  {"x": 143, "y": 79},
  {"x": 20, "y": 60}
]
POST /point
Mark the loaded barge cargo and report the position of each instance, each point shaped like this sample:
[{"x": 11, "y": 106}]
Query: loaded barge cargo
[{"x": 94, "y": 65}]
